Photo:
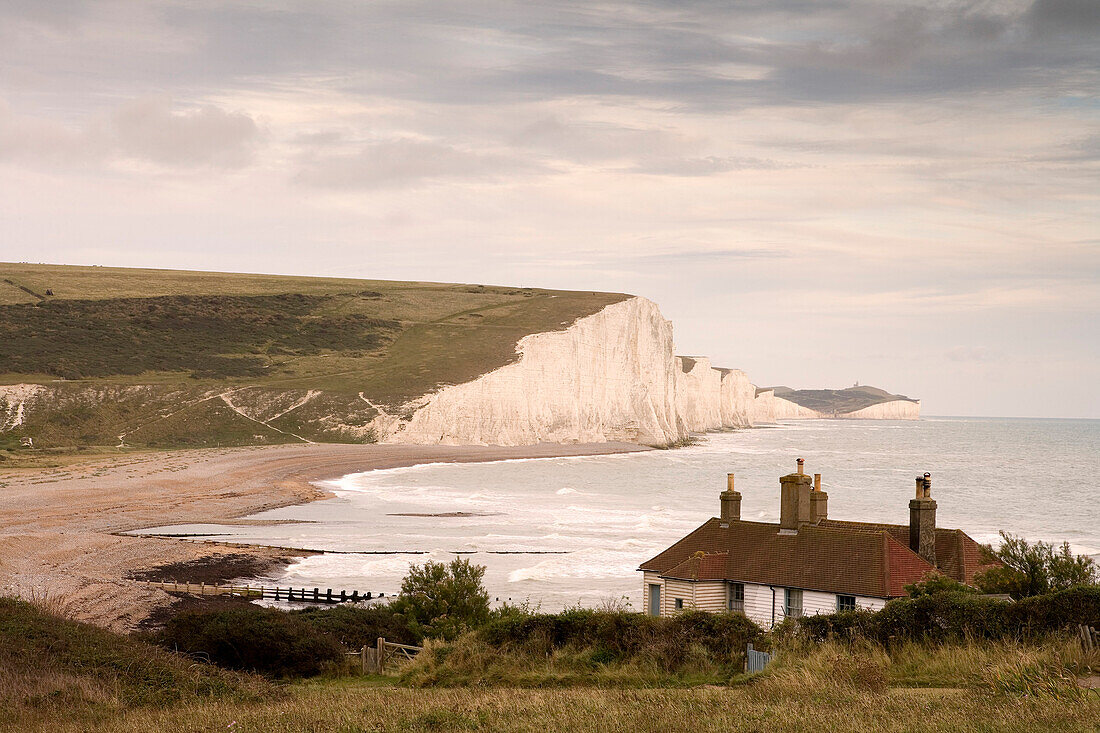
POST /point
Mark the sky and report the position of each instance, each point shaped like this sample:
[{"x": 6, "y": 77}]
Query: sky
[{"x": 818, "y": 192}]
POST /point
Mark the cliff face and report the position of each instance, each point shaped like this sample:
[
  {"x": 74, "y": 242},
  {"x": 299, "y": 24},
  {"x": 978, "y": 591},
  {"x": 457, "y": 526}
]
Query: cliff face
[
  {"x": 893, "y": 410},
  {"x": 609, "y": 376},
  {"x": 737, "y": 397},
  {"x": 698, "y": 394}
]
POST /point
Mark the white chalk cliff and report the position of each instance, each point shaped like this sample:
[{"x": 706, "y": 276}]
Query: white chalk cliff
[
  {"x": 613, "y": 375},
  {"x": 609, "y": 376}
]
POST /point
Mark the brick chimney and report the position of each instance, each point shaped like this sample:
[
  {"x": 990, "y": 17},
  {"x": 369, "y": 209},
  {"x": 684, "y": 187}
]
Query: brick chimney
[
  {"x": 794, "y": 500},
  {"x": 731, "y": 501},
  {"x": 819, "y": 502},
  {"x": 922, "y": 520}
]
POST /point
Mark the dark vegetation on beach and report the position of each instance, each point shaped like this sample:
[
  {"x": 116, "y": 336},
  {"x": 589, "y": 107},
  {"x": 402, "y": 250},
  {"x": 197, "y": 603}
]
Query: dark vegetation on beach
[{"x": 212, "y": 569}]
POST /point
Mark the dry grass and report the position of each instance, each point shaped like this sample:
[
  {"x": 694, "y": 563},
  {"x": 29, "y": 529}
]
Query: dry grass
[{"x": 336, "y": 706}]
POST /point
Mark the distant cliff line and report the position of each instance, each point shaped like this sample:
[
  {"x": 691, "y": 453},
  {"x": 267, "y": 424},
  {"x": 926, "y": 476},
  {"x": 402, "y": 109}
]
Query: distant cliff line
[
  {"x": 613, "y": 375},
  {"x": 422, "y": 363}
]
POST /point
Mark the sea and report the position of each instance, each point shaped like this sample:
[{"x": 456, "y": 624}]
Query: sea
[{"x": 562, "y": 532}]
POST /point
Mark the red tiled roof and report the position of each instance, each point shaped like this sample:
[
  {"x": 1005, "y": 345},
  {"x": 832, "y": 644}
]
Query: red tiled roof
[
  {"x": 958, "y": 555},
  {"x": 835, "y": 557}
]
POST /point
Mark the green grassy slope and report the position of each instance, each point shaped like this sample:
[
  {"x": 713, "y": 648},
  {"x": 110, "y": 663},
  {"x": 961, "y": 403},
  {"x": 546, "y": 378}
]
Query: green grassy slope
[
  {"x": 54, "y": 668},
  {"x": 838, "y": 400},
  {"x": 148, "y": 354}
]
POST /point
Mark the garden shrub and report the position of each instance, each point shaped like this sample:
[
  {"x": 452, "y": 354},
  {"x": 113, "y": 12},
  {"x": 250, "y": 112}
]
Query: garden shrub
[
  {"x": 949, "y": 616},
  {"x": 265, "y": 640}
]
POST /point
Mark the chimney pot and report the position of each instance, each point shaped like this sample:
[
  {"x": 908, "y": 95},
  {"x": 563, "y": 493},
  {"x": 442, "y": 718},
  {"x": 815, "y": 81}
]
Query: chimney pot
[
  {"x": 922, "y": 521},
  {"x": 730, "y": 501},
  {"x": 817, "y": 482},
  {"x": 795, "y": 491},
  {"x": 800, "y": 462}
]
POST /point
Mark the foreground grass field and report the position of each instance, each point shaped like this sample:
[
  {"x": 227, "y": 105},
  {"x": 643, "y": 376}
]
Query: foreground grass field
[
  {"x": 59, "y": 675},
  {"x": 366, "y": 706},
  {"x": 160, "y": 358}
]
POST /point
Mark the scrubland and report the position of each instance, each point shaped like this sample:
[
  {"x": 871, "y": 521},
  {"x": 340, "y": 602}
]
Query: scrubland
[{"x": 58, "y": 675}]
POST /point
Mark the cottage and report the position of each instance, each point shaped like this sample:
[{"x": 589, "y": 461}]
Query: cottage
[{"x": 806, "y": 564}]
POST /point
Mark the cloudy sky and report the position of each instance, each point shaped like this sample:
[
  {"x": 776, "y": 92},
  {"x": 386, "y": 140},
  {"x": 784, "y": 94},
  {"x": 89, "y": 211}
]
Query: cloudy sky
[{"x": 816, "y": 191}]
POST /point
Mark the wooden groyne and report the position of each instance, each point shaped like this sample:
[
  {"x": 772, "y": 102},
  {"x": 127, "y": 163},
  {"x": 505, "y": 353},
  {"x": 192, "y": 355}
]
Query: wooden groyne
[{"x": 276, "y": 593}]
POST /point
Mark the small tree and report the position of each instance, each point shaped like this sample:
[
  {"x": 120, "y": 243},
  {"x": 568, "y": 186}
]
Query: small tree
[
  {"x": 1034, "y": 569},
  {"x": 443, "y": 600}
]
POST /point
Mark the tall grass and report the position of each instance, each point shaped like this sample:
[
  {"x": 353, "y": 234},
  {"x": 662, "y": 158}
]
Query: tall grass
[
  {"x": 329, "y": 706},
  {"x": 55, "y": 668}
]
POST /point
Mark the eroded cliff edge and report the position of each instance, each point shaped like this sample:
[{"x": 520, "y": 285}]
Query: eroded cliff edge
[
  {"x": 610, "y": 376},
  {"x": 613, "y": 375}
]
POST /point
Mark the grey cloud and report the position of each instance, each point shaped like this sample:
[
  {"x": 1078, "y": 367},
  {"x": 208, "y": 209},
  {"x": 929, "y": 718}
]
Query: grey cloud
[
  {"x": 145, "y": 130},
  {"x": 150, "y": 130},
  {"x": 675, "y": 53},
  {"x": 708, "y": 166},
  {"x": 405, "y": 162},
  {"x": 596, "y": 141},
  {"x": 1073, "y": 17}
]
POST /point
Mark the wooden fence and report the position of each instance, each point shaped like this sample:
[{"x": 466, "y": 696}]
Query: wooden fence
[
  {"x": 1090, "y": 637},
  {"x": 298, "y": 595},
  {"x": 756, "y": 661},
  {"x": 373, "y": 659}
]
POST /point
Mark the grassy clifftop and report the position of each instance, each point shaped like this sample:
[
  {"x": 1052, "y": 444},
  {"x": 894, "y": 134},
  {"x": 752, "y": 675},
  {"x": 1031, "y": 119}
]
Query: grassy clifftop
[
  {"x": 839, "y": 400},
  {"x": 165, "y": 357}
]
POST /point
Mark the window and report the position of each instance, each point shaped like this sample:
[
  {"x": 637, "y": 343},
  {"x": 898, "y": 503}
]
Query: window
[
  {"x": 792, "y": 602},
  {"x": 845, "y": 603},
  {"x": 736, "y": 598},
  {"x": 654, "y": 599},
  {"x": 679, "y": 604}
]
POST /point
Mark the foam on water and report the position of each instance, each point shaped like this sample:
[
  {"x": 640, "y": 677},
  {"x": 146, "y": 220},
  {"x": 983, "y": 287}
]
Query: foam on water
[{"x": 610, "y": 513}]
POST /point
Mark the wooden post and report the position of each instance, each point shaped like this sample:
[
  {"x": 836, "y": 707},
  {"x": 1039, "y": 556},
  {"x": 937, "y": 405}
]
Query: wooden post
[
  {"x": 381, "y": 655},
  {"x": 363, "y": 658}
]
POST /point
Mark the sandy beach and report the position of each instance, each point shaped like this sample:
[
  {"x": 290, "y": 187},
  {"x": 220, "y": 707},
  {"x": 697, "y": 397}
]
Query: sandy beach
[{"x": 58, "y": 527}]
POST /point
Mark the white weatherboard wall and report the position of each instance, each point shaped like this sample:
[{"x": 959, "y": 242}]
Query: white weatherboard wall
[{"x": 711, "y": 595}]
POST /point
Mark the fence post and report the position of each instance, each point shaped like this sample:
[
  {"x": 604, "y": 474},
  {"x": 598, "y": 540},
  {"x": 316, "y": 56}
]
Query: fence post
[
  {"x": 380, "y": 656},
  {"x": 363, "y": 659}
]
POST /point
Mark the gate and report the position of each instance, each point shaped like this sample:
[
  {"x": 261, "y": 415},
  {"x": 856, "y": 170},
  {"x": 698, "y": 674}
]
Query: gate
[{"x": 756, "y": 661}]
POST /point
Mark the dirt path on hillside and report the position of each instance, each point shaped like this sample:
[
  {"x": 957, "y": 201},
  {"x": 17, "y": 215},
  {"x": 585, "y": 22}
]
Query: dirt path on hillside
[{"x": 57, "y": 526}]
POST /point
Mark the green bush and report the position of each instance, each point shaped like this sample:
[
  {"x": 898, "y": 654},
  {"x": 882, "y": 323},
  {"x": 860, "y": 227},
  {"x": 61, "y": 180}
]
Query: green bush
[
  {"x": 264, "y": 640},
  {"x": 355, "y": 627},
  {"x": 442, "y": 601},
  {"x": 1032, "y": 569},
  {"x": 957, "y": 615},
  {"x": 620, "y": 636}
]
